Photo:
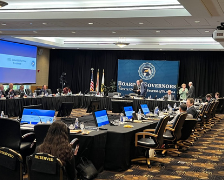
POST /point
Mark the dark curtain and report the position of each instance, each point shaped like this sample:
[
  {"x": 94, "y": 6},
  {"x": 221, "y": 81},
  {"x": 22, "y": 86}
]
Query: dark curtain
[{"x": 203, "y": 68}]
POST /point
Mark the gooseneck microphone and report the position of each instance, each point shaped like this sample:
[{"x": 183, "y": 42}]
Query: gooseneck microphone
[{"x": 37, "y": 115}]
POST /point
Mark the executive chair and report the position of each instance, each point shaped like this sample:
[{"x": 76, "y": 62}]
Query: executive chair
[
  {"x": 40, "y": 131},
  {"x": 153, "y": 140},
  {"x": 49, "y": 91},
  {"x": 11, "y": 164},
  {"x": 65, "y": 109},
  {"x": 29, "y": 92},
  {"x": 173, "y": 134},
  {"x": 43, "y": 166},
  {"x": 38, "y": 92},
  {"x": 11, "y": 137}
]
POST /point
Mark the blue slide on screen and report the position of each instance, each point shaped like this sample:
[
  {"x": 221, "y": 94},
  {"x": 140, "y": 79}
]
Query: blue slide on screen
[
  {"x": 128, "y": 111},
  {"x": 17, "y": 63},
  {"x": 33, "y": 116},
  {"x": 101, "y": 118},
  {"x": 145, "y": 109}
]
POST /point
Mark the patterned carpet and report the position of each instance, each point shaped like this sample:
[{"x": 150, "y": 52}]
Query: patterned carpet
[{"x": 204, "y": 160}]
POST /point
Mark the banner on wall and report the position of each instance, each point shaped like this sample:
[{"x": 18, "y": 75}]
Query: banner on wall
[{"x": 160, "y": 76}]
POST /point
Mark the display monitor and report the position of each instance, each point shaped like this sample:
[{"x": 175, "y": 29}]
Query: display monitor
[
  {"x": 128, "y": 110},
  {"x": 101, "y": 118},
  {"x": 34, "y": 116},
  {"x": 145, "y": 109},
  {"x": 17, "y": 63}
]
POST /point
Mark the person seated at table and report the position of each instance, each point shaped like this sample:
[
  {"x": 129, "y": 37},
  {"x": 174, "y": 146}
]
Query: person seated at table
[
  {"x": 67, "y": 90},
  {"x": 183, "y": 92},
  {"x": 43, "y": 90},
  {"x": 182, "y": 109},
  {"x": 2, "y": 91},
  {"x": 136, "y": 88},
  {"x": 169, "y": 96},
  {"x": 217, "y": 95},
  {"x": 10, "y": 90},
  {"x": 57, "y": 144},
  {"x": 208, "y": 98},
  {"x": 21, "y": 90},
  {"x": 190, "y": 107}
]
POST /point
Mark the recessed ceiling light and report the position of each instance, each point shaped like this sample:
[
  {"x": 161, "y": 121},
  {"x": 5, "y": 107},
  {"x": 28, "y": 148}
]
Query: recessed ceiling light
[
  {"x": 3, "y": 24},
  {"x": 192, "y": 49},
  {"x": 207, "y": 31},
  {"x": 77, "y": 48},
  {"x": 197, "y": 21},
  {"x": 73, "y": 32},
  {"x": 161, "y": 49},
  {"x": 53, "y": 48},
  {"x": 90, "y": 23},
  {"x": 157, "y": 31},
  {"x": 31, "y": 23},
  {"x": 34, "y": 31},
  {"x": 113, "y": 32},
  {"x": 44, "y": 23},
  {"x": 140, "y": 23}
]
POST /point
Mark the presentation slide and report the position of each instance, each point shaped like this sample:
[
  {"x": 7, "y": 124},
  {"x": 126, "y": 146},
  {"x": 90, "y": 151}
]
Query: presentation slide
[
  {"x": 17, "y": 63},
  {"x": 34, "y": 116},
  {"x": 101, "y": 118},
  {"x": 159, "y": 76}
]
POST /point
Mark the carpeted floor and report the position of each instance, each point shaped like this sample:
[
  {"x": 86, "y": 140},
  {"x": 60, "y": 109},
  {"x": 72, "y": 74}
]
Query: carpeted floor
[{"x": 204, "y": 160}]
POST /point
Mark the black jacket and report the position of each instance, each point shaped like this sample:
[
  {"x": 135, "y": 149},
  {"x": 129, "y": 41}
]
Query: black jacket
[
  {"x": 191, "y": 92},
  {"x": 193, "y": 111},
  {"x": 135, "y": 89}
]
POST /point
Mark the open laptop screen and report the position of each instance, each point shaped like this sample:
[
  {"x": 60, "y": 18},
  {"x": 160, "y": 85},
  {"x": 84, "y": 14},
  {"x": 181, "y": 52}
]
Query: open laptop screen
[
  {"x": 145, "y": 109},
  {"x": 101, "y": 118},
  {"x": 34, "y": 116},
  {"x": 128, "y": 111}
]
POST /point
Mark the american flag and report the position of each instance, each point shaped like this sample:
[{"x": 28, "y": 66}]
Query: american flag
[{"x": 92, "y": 83}]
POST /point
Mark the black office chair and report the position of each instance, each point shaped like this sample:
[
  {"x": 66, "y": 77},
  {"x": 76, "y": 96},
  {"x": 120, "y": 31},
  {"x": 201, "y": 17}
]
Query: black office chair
[
  {"x": 38, "y": 92},
  {"x": 49, "y": 91},
  {"x": 29, "y": 92},
  {"x": 173, "y": 134},
  {"x": 45, "y": 167},
  {"x": 65, "y": 109},
  {"x": 94, "y": 106},
  {"x": 11, "y": 164},
  {"x": 40, "y": 131},
  {"x": 154, "y": 142},
  {"x": 11, "y": 137}
]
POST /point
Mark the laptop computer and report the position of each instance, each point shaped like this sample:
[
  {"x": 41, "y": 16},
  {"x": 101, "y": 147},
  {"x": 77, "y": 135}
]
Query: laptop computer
[
  {"x": 128, "y": 110},
  {"x": 34, "y": 116}
]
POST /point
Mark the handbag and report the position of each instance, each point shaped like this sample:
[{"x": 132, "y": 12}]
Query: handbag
[{"x": 86, "y": 169}]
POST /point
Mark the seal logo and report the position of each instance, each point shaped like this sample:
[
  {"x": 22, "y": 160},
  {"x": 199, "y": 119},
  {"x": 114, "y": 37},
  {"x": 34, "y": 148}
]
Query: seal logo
[{"x": 147, "y": 71}]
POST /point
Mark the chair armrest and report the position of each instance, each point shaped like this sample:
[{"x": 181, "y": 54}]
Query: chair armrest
[
  {"x": 28, "y": 137},
  {"x": 75, "y": 145},
  {"x": 171, "y": 129},
  {"x": 169, "y": 125},
  {"x": 143, "y": 134},
  {"x": 149, "y": 130}
]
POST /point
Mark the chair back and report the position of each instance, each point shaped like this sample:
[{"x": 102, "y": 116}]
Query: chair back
[
  {"x": 40, "y": 131},
  {"x": 38, "y": 92},
  {"x": 41, "y": 166},
  {"x": 214, "y": 108},
  {"x": 65, "y": 109},
  {"x": 28, "y": 92},
  {"x": 11, "y": 164},
  {"x": 177, "y": 126},
  {"x": 49, "y": 91},
  {"x": 208, "y": 111},
  {"x": 186, "y": 131},
  {"x": 160, "y": 128},
  {"x": 10, "y": 133}
]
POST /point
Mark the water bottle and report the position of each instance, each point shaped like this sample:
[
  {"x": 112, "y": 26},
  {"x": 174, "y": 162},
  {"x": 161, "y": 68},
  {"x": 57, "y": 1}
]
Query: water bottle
[
  {"x": 46, "y": 94},
  {"x": 174, "y": 106},
  {"x": 121, "y": 118},
  {"x": 139, "y": 114},
  {"x": 76, "y": 123},
  {"x": 150, "y": 97},
  {"x": 2, "y": 114}
]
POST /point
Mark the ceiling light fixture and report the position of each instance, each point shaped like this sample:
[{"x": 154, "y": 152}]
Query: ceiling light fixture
[
  {"x": 157, "y": 31},
  {"x": 90, "y": 23},
  {"x": 34, "y": 31},
  {"x": 3, "y": 24},
  {"x": 197, "y": 21},
  {"x": 44, "y": 23},
  {"x": 140, "y": 23},
  {"x": 121, "y": 44},
  {"x": 73, "y": 32},
  {"x": 207, "y": 31},
  {"x": 2, "y": 4},
  {"x": 113, "y": 32}
]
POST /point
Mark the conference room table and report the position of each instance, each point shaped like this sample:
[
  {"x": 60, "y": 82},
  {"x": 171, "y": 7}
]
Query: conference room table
[
  {"x": 14, "y": 107},
  {"x": 109, "y": 149}
]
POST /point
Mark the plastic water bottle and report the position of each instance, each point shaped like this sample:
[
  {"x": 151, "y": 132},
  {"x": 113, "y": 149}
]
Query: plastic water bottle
[
  {"x": 46, "y": 94},
  {"x": 121, "y": 118},
  {"x": 174, "y": 106},
  {"x": 139, "y": 114},
  {"x": 2, "y": 114},
  {"x": 76, "y": 123}
]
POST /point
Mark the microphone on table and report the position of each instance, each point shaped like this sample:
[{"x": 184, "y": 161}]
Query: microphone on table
[
  {"x": 37, "y": 115},
  {"x": 86, "y": 91}
]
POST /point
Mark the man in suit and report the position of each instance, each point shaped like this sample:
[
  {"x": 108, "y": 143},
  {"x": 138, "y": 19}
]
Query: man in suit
[
  {"x": 43, "y": 90},
  {"x": 136, "y": 88},
  {"x": 2, "y": 91},
  {"x": 182, "y": 109},
  {"x": 169, "y": 96},
  {"x": 10, "y": 90},
  {"x": 21, "y": 90},
  {"x": 208, "y": 98},
  {"x": 190, "y": 107},
  {"x": 191, "y": 92},
  {"x": 143, "y": 88}
]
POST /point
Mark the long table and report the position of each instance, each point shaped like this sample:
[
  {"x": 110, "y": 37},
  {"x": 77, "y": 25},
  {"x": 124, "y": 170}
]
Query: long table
[{"x": 14, "y": 107}]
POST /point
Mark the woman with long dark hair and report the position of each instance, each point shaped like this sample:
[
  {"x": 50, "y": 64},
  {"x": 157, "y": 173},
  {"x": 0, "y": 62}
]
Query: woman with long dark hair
[{"x": 57, "y": 144}]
